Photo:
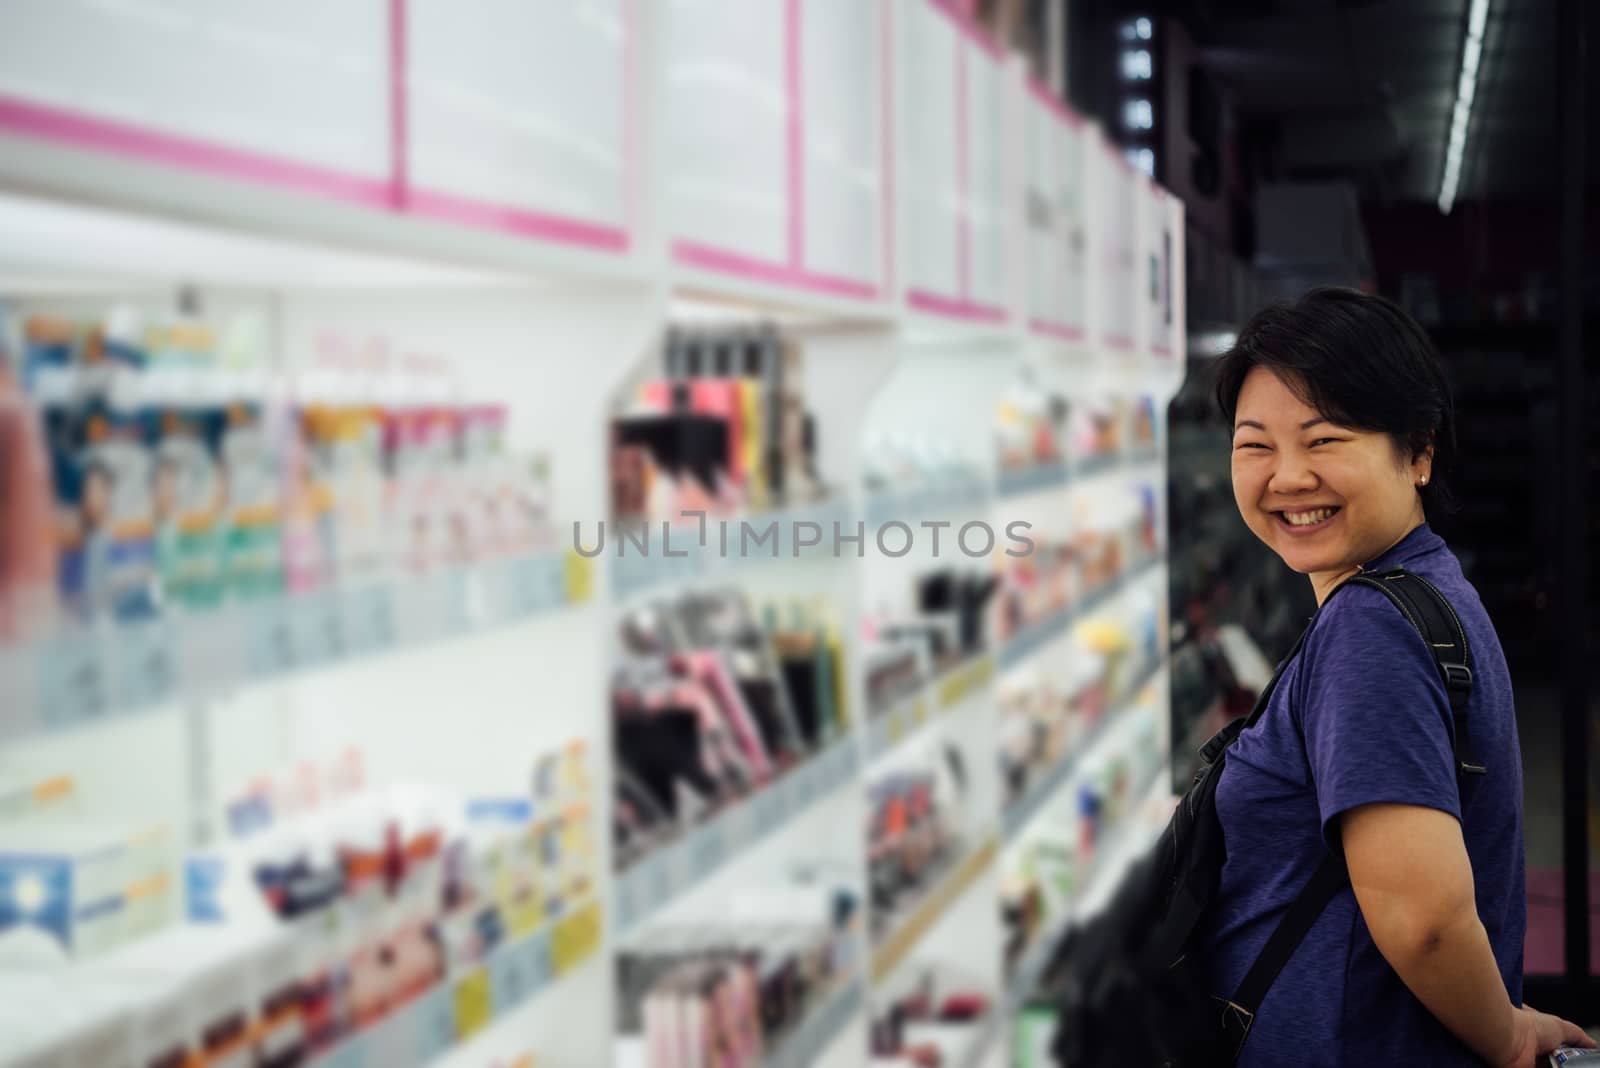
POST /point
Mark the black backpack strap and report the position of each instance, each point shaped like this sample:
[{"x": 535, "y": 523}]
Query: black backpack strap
[
  {"x": 1427, "y": 610},
  {"x": 1421, "y": 603},
  {"x": 1239, "y": 1013}
]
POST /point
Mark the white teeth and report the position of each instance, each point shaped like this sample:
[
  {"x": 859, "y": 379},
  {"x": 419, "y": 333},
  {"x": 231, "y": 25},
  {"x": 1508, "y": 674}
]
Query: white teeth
[{"x": 1306, "y": 519}]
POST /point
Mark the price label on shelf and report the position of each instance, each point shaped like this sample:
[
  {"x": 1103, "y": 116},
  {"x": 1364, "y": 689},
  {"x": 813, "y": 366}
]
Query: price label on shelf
[
  {"x": 367, "y": 617},
  {"x": 213, "y": 650},
  {"x": 575, "y": 938},
  {"x": 473, "y": 1001},
  {"x": 535, "y": 953},
  {"x": 577, "y": 577},
  {"x": 318, "y": 628},
  {"x": 658, "y": 882},
  {"x": 351, "y": 1053},
  {"x": 74, "y": 682},
  {"x": 434, "y": 1022},
  {"x": 420, "y": 610},
  {"x": 146, "y": 667},
  {"x": 270, "y": 638},
  {"x": 509, "y": 979}
]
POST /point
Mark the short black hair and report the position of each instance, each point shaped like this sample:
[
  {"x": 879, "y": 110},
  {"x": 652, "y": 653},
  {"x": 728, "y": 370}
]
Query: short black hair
[{"x": 1362, "y": 362}]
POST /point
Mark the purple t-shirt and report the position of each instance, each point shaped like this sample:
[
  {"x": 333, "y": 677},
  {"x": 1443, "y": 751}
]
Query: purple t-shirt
[{"x": 1360, "y": 716}]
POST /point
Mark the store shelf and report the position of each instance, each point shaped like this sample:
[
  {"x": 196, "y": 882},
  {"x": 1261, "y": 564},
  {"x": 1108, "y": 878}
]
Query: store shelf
[
  {"x": 1020, "y": 814},
  {"x": 462, "y": 1006},
  {"x": 1034, "y": 479},
  {"x": 1090, "y": 466},
  {"x": 899, "y": 942},
  {"x": 967, "y": 493},
  {"x": 983, "y": 1042},
  {"x": 1038, "y": 636},
  {"x": 718, "y": 547},
  {"x": 668, "y": 872},
  {"x": 1131, "y": 837},
  {"x": 1137, "y": 457},
  {"x": 94, "y": 675},
  {"x": 930, "y": 703},
  {"x": 820, "y": 1027},
  {"x": 895, "y": 724}
]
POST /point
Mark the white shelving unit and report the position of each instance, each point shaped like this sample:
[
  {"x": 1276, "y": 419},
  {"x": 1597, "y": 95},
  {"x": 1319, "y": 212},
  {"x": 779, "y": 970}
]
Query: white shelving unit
[{"x": 530, "y": 199}]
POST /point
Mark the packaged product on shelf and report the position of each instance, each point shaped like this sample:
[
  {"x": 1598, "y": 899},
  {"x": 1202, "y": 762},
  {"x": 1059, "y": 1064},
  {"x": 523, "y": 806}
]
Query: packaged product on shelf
[
  {"x": 27, "y": 529},
  {"x": 930, "y": 1015},
  {"x": 733, "y": 992},
  {"x": 78, "y": 890},
  {"x": 916, "y": 829},
  {"x": 188, "y": 500},
  {"x": 310, "y": 552},
  {"x": 347, "y": 447},
  {"x": 1030, "y": 426},
  {"x": 252, "y": 536}
]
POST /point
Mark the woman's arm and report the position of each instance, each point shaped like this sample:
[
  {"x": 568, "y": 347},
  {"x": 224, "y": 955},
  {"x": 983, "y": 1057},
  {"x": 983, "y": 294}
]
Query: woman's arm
[{"x": 1413, "y": 882}]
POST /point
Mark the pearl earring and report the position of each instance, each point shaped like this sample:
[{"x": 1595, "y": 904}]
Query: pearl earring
[{"x": 1424, "y": 481}]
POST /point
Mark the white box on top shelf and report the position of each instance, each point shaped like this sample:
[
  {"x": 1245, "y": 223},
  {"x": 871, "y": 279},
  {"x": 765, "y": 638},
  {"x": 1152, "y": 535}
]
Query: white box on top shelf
[{"x": 1053, "y": 218}]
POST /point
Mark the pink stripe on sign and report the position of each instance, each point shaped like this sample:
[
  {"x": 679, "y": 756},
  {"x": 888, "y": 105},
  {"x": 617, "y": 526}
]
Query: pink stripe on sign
[
  {"x": 134, "y": 142},
  {"x": 963, "y": 217},
  {"x": 954, "y": 307},
  {"x": 885, "y": 21},
  {"x": 1043, "y": 94},
  {"x": 1053, "y": 329},
  {"x": 1161, "y": 350},
  {"x": 797, "y": 190},
  {"x": 1119, "y": 341},
  {"x": 548, "y": 227},
  {"x": 399, "y": 119},
  {"x": 963, "y": 14},
  {"x": 691, "y": 254}
]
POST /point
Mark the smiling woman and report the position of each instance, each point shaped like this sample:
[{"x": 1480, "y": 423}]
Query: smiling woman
[{"x": 1343, "y": 430}]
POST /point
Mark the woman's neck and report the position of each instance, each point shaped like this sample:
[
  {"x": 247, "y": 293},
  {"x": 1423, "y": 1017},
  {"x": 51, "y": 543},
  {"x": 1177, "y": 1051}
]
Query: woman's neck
[{"x": 1325, "y": 582}]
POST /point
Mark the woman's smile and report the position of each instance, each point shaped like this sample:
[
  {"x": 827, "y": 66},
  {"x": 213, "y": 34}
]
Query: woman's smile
[{"x": 1303, "y": 522}]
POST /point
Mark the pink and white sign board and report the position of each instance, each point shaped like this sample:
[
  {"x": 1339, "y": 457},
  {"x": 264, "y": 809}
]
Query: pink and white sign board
[
  {"x": 1120, "y": 293},
  {"x": 294, "y": 93},
  {"x": 1159, "y": 305},
  {"x": 1057, "y": 243},
  {"x": 519, "y": 116},
  {"x": 773, "y": 152},
  {"x": 954, "y": 181}
]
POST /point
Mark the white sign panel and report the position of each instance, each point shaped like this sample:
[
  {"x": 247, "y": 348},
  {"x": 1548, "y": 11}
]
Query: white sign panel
[
  {"x": 518, "y": 114},
  {"x": 1054, "y": 218}
]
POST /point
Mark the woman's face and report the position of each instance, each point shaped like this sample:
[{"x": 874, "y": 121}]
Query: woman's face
[{"x": 1324, "y": 497}]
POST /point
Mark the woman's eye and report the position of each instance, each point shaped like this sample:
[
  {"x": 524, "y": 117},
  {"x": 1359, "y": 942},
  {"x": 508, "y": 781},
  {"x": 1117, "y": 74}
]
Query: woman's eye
[
  {"x": 1250, "y": 445},
  {"x": 1323, "y": 441}
]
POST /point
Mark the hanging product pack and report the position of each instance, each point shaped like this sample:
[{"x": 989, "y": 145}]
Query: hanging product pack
[{"x": 1131, "y": 990}]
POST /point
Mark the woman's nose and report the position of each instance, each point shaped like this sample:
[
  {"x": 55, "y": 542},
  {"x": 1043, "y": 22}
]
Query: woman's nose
[{"x": 1292, "y": 474}]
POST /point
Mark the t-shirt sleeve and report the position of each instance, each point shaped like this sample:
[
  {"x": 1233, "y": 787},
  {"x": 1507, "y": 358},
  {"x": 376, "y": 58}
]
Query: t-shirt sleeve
[{"x": 1375, "y": 714}]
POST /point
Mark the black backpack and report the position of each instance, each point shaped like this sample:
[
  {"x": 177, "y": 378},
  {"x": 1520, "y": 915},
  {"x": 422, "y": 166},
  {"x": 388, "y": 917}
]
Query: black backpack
[{"x": 1127, "y": 990}]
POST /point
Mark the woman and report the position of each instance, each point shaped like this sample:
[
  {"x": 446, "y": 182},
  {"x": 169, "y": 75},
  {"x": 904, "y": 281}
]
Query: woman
[{"x": 1342, "y": 434}]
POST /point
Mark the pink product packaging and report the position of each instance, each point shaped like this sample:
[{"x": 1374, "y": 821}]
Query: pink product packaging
[{"x": 27, "y": 540}]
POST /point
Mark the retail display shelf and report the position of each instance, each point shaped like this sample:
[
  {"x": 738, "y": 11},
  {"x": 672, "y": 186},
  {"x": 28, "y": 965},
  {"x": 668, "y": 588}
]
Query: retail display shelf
[
  {"x": 962, "y": 492},
  {"x": 1041, "y": 634},
  {"x": 92, "y": 675},
  {"x": 457, "y": 1009},
  {"x": 982, "y": 1043},
  {"x": 899, "y": 942},
  {"x": 1033, "y": 479},
  {"x": 1089, "y": 466},
  {"x": 1020, "y": 814},
  {"x": 933, "y": 700},
  {"x": 902, "y": 718},
  {"x": 821, "y": 1026},
  {"x": 1147, "y": 454},
  {"x": 666, "y": 873},
  {"x": 954, "y": 686},
  {"x": 1130, "y": 837},
  {"x": 654, "y": 555}
]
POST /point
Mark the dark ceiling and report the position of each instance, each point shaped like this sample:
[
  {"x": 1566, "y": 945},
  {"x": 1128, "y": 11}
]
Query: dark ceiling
[{"x": 1363, "y": 89}]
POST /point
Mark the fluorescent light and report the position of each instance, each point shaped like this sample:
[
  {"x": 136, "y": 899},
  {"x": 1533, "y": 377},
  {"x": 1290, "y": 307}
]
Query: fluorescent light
[
  {"x": 1141, "y": 26},
  {"x": 1461, "y": 114},
  {"x": 1136, "y": 65},
  {"x": 1477, "y": 18},
  {"x": 1138, "y": 115}
]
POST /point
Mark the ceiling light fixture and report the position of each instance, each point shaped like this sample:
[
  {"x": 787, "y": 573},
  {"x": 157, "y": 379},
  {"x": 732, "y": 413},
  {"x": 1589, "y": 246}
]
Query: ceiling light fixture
[{"x": 1466, "y": 91}]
